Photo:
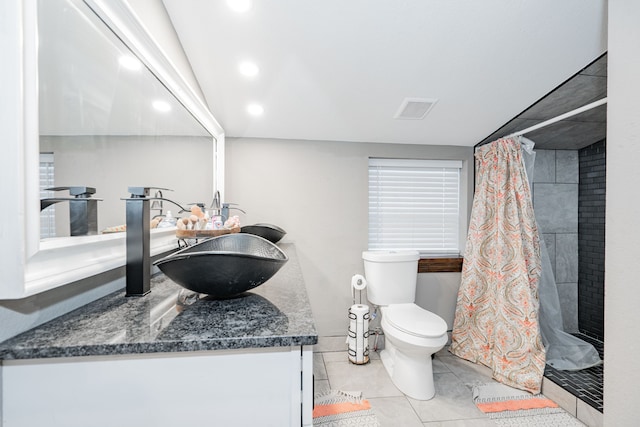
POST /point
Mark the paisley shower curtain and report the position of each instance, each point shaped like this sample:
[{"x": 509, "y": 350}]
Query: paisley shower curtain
[{"x": 496, "y": 319}]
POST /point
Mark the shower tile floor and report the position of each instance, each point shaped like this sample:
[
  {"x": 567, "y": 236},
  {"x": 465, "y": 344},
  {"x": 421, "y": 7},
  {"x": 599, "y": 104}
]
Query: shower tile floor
[{"x": 586, "y": 384}]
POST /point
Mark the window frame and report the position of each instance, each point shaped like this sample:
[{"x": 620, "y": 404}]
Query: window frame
[{"x": 456, "y": 166}]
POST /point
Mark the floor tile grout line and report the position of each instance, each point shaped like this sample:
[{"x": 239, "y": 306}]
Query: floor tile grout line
[{"x": 324, "y": 364}]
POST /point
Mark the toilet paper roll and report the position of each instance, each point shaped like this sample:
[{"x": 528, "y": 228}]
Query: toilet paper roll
[
  {"x": 359, "y": 310},
  {"x": 358, "y": 337},
  {"x": 358, "y": 282}
]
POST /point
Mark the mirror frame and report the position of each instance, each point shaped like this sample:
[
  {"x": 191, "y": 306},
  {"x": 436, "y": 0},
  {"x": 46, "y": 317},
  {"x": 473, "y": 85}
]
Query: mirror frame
[{"x": 30, "y": 266}]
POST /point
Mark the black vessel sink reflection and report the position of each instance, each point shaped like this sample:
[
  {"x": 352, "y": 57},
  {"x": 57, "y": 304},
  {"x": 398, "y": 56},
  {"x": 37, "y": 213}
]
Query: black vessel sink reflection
[
  {"x": 224, "y": 266},
  {"x": 271, "y": 232}
]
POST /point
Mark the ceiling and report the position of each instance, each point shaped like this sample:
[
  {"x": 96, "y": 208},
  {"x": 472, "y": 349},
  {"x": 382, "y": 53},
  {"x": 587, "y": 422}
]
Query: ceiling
[
  {"x": 339, "y": 70},
  {"x": 576, "y": 132}
]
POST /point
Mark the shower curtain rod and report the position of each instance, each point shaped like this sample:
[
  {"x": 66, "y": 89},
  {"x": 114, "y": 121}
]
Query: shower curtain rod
[{"x": 560, "y": 117}]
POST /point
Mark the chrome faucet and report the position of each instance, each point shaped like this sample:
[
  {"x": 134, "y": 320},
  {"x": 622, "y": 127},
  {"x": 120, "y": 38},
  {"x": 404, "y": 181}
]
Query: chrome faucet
[
  {"x": 226, "y": 207},
  {"x": 215, "y": 204}
]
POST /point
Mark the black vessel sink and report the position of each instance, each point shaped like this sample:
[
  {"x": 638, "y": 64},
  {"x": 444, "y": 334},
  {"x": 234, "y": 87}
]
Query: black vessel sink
[
  {"x": 271, "y": 232},
  {"x": 224, "y": 266}
]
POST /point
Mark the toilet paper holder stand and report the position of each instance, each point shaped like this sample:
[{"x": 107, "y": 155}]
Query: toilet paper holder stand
[{"x": 358, "y": 332}]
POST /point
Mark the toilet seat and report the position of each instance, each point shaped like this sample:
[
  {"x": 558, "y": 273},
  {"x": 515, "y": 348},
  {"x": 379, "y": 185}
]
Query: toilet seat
[{"x": 414, "y": 320}]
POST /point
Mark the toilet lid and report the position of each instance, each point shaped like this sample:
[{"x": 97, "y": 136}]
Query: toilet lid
[{"x": 415, "y": 320}]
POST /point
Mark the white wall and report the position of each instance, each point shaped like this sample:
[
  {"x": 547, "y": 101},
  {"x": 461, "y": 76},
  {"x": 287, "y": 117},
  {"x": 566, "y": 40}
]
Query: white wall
[
  {"x": 318, "y": 192},
  {"x": 622, "y": 296}
]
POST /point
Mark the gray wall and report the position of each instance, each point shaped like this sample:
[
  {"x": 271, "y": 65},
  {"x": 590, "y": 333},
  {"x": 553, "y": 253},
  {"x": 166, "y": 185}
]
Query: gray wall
[
  {"x": 555, "y": 200},
  {"x": 318, "y": 192}
]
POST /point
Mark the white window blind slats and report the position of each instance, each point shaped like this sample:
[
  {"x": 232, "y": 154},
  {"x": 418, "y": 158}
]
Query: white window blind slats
[
  {"x": 414, "y": 204},
  {"x": 426, "y": 205},
  {"x": 417, "y": 163},
  {"x": 422, "y": 238},
  {"x": 47, "y": 216},
  {"x": 427, "y": 229},
  {"x": 410, "y": 195}
]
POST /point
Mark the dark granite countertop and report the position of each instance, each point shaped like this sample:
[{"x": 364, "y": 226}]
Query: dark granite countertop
[{"x": 173, "y": 319}]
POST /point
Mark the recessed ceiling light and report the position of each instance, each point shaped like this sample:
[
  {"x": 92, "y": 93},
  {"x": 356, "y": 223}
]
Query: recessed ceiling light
[
  {"x": 255, "y": 109},
  {"x": 248, "y": 69},
  {"x": 162, "y": 106},
  {"x": 130, "y": 62},
  {"x": 239, "y": 6}
]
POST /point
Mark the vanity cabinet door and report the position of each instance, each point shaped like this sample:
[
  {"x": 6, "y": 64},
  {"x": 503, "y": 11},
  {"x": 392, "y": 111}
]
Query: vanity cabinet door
[{"x": 253, "y": 387}]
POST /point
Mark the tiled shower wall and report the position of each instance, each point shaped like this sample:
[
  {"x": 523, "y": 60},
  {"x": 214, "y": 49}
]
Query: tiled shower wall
[
  {"x": 591, "y": 217},
  {"x": 555, "y": 200}
]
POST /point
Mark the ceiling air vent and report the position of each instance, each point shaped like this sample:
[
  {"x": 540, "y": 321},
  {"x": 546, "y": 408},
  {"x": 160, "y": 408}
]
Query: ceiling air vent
[{"x": 415, "y": 108}]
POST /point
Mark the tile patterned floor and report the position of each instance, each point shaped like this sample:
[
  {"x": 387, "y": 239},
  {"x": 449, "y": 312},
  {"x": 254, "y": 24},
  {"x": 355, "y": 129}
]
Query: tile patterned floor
[
  {"x": 453, "y": 377},
  {"x": 586, "y": 384}
]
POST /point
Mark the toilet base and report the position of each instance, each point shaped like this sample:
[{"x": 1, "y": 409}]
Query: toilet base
[{"x": 412, "y": 375}]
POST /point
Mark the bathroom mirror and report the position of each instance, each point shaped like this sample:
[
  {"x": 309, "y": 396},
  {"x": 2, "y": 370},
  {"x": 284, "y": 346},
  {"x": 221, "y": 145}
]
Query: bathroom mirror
[
  {"x": 106, "y": 122},
  {"x": 84, "y": 77}
]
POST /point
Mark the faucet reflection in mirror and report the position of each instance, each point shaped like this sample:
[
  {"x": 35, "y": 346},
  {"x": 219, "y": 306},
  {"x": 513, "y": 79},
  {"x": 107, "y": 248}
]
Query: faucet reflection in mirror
[
  {"x": 83, "y": 209},
  {"x": 157, "y": 205}
]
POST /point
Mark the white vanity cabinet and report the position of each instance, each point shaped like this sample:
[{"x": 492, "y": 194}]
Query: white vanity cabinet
[
  {"x": 170, "y": 358},
  {"x": 256, "y": 387}
]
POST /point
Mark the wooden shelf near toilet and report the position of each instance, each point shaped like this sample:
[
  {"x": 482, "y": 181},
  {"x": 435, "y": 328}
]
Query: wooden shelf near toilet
[{"x": 440, "y": 265}]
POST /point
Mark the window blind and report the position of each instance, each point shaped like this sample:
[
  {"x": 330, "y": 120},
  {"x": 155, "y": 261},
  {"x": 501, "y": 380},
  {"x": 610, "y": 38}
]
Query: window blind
[
  {"x": 414, "y": 204},
  {"x": 47, "y": 216}
]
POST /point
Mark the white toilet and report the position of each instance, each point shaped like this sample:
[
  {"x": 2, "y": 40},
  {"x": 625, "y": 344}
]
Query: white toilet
[{"x": 412, "y": 334}]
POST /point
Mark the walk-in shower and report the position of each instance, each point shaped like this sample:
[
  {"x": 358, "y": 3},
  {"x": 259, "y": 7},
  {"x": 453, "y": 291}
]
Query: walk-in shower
[{"x": 569, "y": 193}]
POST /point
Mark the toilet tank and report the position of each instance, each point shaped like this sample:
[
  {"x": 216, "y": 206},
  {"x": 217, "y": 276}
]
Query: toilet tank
[{"x": 391, "y": 276}]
